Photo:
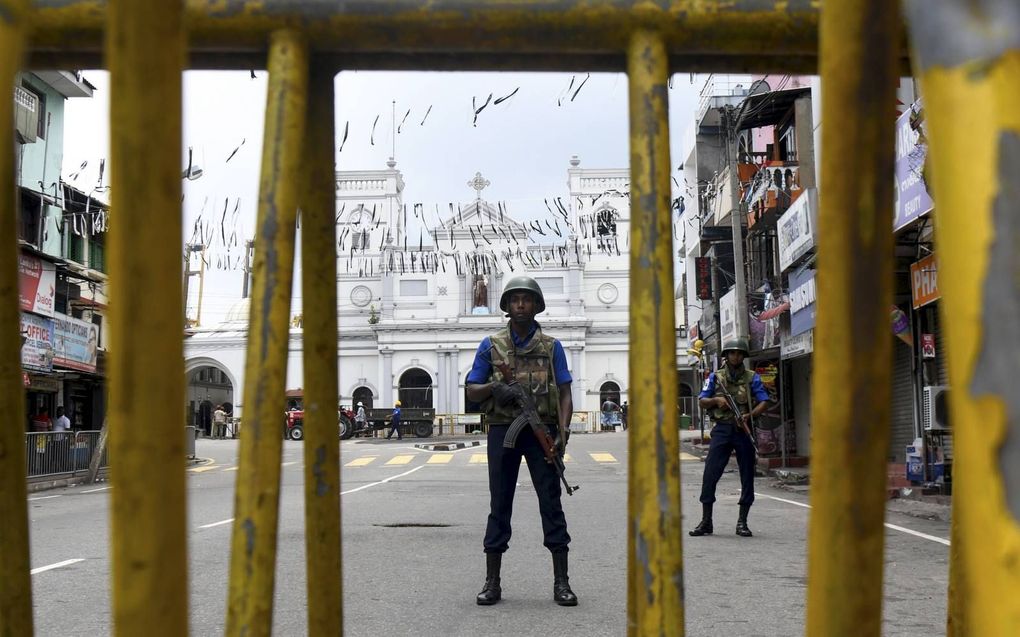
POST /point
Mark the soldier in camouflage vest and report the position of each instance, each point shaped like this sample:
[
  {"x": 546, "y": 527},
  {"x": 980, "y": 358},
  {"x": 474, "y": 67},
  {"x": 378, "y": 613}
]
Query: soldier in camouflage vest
[
  {"x": 539, "y": 365},
  {"x": 727, "y": 435}
]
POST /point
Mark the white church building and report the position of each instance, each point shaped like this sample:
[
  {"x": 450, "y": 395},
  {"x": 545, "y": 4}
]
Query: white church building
[{"x": 419, "y": 287}]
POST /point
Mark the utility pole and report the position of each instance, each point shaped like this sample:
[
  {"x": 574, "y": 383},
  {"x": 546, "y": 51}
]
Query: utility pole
[{"x": 736, "y": 223}]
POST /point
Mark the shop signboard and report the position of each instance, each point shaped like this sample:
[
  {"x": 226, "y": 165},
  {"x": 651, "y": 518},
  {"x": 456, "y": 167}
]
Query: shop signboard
[
  {"x": 802, "y": 301},
  {"x": 37, "y": 284},
  {"x": 728, "y": 316},
  {"x": 703, "y": 277},
  {"x": 800, "y": 345},
  {"x": 924, "y": 281},
  {"x": 37, "y": 352},
  {"x": 796, "y": 228},
  {"x": 75, "y": 343},
  {"x": 912, "y": 198}
]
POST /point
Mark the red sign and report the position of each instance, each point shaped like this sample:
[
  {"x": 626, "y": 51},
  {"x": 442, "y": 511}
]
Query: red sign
[
  {"x": 703, "y": 277},
  {"x": 37, "y": 284},
  {"x": 927, "y": 346},
  {"x": 924, "y": 281}
]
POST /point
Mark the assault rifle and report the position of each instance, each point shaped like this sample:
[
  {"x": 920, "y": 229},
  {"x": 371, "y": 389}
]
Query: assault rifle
[
  {"x": 529, "y": 416},
  {"x": 739, "y": 420}
]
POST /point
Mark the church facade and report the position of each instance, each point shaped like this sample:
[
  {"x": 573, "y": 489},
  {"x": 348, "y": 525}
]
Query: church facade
[{"x": 419, "y": 287}]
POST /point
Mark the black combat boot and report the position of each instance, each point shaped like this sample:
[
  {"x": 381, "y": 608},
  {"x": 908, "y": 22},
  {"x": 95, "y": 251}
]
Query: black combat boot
[
  {"x": 491, "y": 592},
  {"x": 561, "y": 583},
  {"x": 742, "y": 529},
  {"x": 705, "y": 526}
]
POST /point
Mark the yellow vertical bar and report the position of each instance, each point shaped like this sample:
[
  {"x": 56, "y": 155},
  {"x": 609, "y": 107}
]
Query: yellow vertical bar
[
  {"x": 145, "y": 54},
  {"x": 969, "y": 66},
  {"x": 654, "y": 561},
  {"x": 859, "y": 42},
  {"x": 15, "y": 584},
  {"x": 257, "y": 501},
  {"x": 321, "y": 446}
]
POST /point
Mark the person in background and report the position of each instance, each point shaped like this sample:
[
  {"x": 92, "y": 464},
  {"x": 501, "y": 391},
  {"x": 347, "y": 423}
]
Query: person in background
[
  {"x": 360, "y": 419},
  {"x": 394, "y": 419},
  {"x": 62, "y": 423},
  {"x": 41, "y": 421},
  {"x": 219, "y": 423},
  {"x": 623, "y": 411}
]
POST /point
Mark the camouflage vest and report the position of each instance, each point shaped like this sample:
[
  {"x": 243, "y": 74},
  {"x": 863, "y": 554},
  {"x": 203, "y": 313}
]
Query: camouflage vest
[
  {"x": 740, "y": 389},
  {"x": 532, "y": 366}
]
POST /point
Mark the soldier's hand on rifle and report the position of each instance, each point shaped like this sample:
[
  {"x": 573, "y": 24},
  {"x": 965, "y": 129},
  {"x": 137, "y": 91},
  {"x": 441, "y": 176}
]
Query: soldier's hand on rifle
[
  {"x": 562, "y": 437},
  {"x": 503, "y": 394},
  {"x": 721, "y": 403},
  {"x": 746, "y": 419}
]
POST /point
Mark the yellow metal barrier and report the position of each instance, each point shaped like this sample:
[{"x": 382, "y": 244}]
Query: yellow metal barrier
[
  {"x": 322, "y": 453},
  {"x": 968, "y": 58},
  {"x": 257, "y": 503},
  {"x": 15, "y": 585},
  {"x": 971, "y": 97},
  {"x": 851, "y": 382},
  {"x": 654, "y": 563},
  {"x": 146, "y": 378}
]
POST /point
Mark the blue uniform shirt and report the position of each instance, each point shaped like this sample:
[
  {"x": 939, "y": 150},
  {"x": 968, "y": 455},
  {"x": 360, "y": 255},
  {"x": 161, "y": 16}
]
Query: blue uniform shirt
[
  {"x": 481, "y": 369},
  {"x": 757, "y": 388},
  {"x": 396, "y": 414}
]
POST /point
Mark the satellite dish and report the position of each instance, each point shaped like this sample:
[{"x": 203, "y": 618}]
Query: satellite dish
[{"x": 758, "y": 87}]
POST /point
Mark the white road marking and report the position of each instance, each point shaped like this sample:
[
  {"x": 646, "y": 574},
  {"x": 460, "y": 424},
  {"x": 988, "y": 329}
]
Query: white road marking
[
  {"x": 97, "y": 490},
  {"x": 220, "y": 523},
  {"x": 894, "y": 527},
  {"x": 373, "y": 484},
  {"x": 50, "y": 567},
  {"x": 43, "y": 497}
]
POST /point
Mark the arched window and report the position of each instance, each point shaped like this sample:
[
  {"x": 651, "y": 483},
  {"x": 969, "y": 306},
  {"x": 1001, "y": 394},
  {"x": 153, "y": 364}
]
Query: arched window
[
  {"x": 363, "y": 395},
  {"x": 609, "y": 391},
  {"x": 415, "y": 388}
]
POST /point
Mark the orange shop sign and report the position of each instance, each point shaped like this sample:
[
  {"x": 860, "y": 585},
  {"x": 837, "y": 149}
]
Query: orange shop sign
[{"x": 924, "y": 281}]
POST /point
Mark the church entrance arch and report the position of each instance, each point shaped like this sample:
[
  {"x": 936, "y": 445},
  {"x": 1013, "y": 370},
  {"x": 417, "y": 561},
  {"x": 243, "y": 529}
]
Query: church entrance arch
[
  {"x": 208, "y": 385},
  {"x": 362, "y": 395},
  {"x": 415, "y": 388}
]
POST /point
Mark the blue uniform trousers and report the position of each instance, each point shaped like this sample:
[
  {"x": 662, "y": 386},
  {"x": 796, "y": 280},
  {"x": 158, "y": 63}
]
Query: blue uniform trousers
[
  {"x": 727, "y": 437},
  {"x": 504, "y": 466}
]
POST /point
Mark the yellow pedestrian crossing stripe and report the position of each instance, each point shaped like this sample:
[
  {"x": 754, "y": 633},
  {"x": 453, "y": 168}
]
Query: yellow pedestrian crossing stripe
[
  {"x": 361, "y": 462},
  {"x": 567, "y": 458},
  {"x": 402, "y": 459},
  {"x": 440, "y": 458},
  {"x": 686, "y": 456},
  {"x": 602, "y": 457},
  {"x": 231, "y": 469},
  {"x": 208, "y": 467},
  {"x": 479, "y": 458}
]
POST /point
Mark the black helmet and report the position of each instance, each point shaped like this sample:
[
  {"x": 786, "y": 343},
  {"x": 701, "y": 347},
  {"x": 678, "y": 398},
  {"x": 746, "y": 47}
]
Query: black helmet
[
  {"x": 736, "y": 344},
  {"x": 522, "y": 283}
]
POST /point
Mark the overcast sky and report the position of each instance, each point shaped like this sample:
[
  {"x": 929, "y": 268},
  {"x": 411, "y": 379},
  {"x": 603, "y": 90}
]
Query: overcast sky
[{"x": 522, "y": 145}]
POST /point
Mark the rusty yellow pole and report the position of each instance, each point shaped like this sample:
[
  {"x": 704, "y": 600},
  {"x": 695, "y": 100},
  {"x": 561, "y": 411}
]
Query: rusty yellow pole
[
  {"x": 257, "y": 501},
  {"x": 654, "y": 561},
  {"x": 145, "y": 49},
  {"x": 15, "y": 583},
  {"x": 850, "y": 388},
  {"x": 968, "y": 58},
  {"x": 321, "y": 445}
]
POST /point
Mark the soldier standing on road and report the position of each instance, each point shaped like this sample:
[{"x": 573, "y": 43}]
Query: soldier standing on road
[
  {"x": 540, "y": 367},
  {"x": 727, "y": 435}
]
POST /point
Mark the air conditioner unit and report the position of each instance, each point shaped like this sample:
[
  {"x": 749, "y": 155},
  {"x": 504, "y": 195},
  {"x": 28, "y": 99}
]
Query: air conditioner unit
[{"x": 935, "y": 408}]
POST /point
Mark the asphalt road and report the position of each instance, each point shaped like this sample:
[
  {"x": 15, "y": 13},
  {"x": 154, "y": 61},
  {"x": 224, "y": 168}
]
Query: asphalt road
[{"x": 413, "y": 522}]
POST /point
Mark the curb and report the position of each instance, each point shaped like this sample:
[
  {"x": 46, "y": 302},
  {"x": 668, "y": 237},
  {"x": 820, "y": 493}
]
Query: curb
[{"x": 447, "y": 446}]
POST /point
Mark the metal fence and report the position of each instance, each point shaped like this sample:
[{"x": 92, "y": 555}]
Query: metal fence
[
  {"x": 474, "y": 424},
  {"x": 52, "y": 453}
]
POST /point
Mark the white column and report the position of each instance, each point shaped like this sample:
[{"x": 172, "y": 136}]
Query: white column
[
  {"x": 442, "y": 381},
  {"x": 577, "y": 390},
  {"x": 455, "y": 381},
  {"x": 386, "y": 381}
]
